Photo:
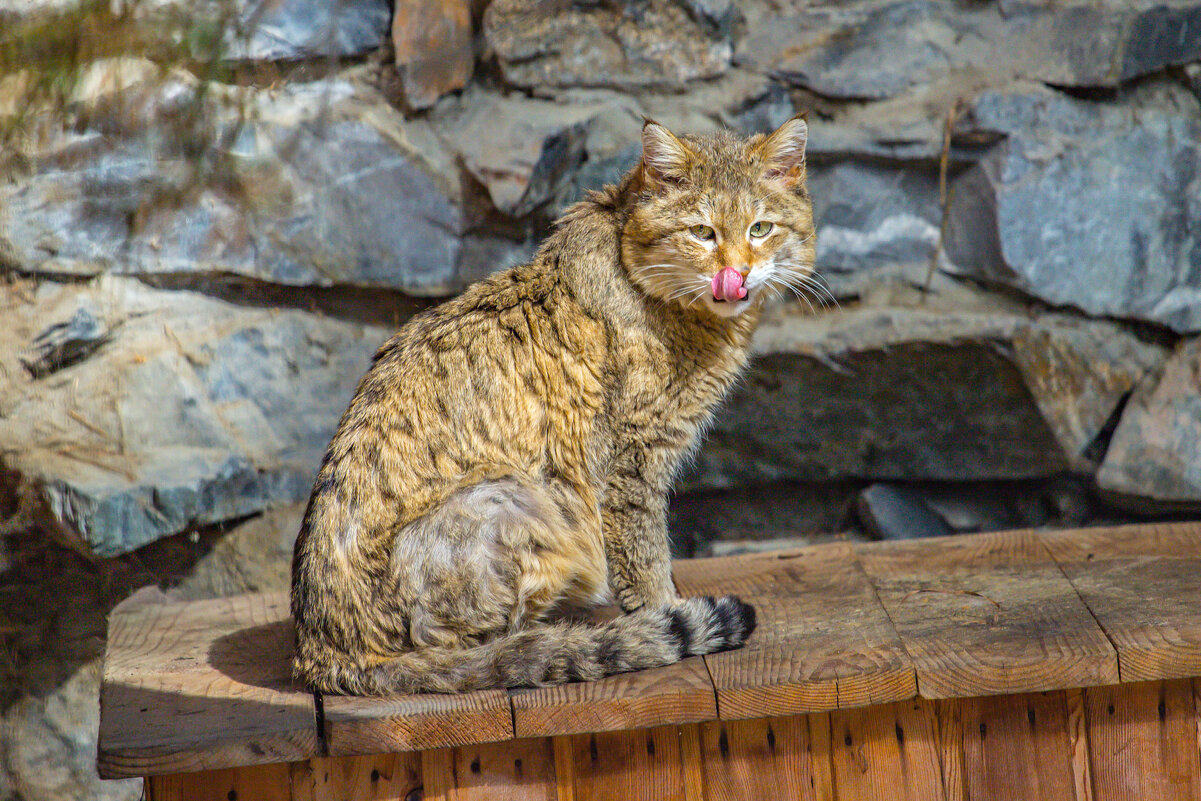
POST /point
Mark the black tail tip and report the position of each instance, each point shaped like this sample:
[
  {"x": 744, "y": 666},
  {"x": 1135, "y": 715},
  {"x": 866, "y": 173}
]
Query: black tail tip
[
  {"x": 736, "y": 620},
  {"x": 749, "y": 618}
]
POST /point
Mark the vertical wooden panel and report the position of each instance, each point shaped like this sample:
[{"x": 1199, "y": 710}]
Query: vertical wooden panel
[
  {"x": 1016, "y": 748},
  {"x": 258, "y": 783},
  {"x": 887, "y": 753},
  {"x": 821, "y": 760},
  {"x": 691, "y": 760},
  {"x": 949, "y": 714},
  {"x": 383, "y": 777},
  {"x": 1142, "y": 742},
  {"x": 564, "y": 768},
  {"x": 1082, "y": 776},
  {"x": 640, "y": 765},
  {"x": 521, "y": 770},
  {"x": 748, "y": 760}
]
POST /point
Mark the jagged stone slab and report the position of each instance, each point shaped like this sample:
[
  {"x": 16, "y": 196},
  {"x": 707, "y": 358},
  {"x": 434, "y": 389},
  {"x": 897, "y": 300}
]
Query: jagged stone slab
[
  {"x": 892, "y": 393},
  {"x": 834, "y": 48},
  {"x": 194, "y": 411},
  {"x": 316, "y": 184},
  {"x": 1154, "y": 460},
  {"x": 1087, "y": 204}
]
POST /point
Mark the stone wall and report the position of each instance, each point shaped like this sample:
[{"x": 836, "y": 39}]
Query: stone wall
[{"x": 209, "y": 220}]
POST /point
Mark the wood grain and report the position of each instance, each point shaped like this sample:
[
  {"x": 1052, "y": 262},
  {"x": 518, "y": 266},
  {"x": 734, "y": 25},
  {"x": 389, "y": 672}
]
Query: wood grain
[
  {"x": 1016, "y": 748},
  {"x": 1082, "y": 774},
  {"x": 949, "y": 715},
  {"x": 643, "y": 765},
  {"x": 355, "y": 726},
  {"x": 1142, "y": 742},
  {"x": 823, "y": 640},
  {"x": 522, "y": 770},
  {"x": 748, "y": 760},
  {"x": 383, "y": 777},
  {"x": 679, "y": 693},
  {"x": 258, "y": 783},
  {"x": 198, "y": 686},
  {"x": 564, "y": 768},
  {"x": 887, "y": 753},
  {"x": 988, "y": 614},
  {"x": 1143, "y": 584}
]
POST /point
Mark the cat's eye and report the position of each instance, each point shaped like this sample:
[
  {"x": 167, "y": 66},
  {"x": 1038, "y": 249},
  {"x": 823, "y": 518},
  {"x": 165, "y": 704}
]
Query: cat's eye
[
  {"x": 702, "y": 232},
  {"x": 761, "y": 229}
]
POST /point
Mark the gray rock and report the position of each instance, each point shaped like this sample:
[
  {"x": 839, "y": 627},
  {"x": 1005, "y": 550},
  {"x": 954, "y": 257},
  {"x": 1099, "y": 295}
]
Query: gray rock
[
  {"x": 1086, "y": 204},
  {"x": 871, "y": 218},
  {"x": 246, "y": 30},
  {"x": 294, "y": 30},
  {"x": 896, "y": 512},
  {"x": 48, "y": 745},
  {"x": 908, "y": 394},
  {"x": 626, "y": 45},
  {"x": 317, "y": 184},
  {"x": 834, "y": 48},
  {"x": 1154, "y": 459},
  {"x": 195, "y": 412},
  {"x": 255, "y": 556},
  {"x": 523, "y": 150}
]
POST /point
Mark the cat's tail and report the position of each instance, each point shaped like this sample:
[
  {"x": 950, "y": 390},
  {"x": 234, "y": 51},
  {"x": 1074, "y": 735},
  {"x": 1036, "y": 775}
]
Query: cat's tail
[{"x": 554, "y": 653}]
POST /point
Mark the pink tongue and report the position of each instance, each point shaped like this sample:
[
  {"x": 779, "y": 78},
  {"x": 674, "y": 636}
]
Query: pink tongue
[{"x": 727, "y": 285}]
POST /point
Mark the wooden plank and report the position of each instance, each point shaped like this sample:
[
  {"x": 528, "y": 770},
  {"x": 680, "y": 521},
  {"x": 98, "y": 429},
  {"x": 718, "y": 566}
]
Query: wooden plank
[
  {"x": 523, "y": 770},
  {"x": 564, "y": 768},
  {"x": 988, "y": 614},
  {"x": 949, "y": 714},
  {"x": 823, "y": 640},
  {"x": 750, "y": 760},
  {"x": 679, "y": 693},
  {"x": 257, "y": 783},
  {"x": 887, "y": 753},
  {"x": 383, "y": 777},
  {"x": 355, "y": 726},
  {"x": 1142, "y": 742},
  {"x": 642, "y": 765},
  {"x": 198, "y": 686},
  {"x": 1143, "y": 584},
  {"x": 1082, "y": 775},
  {"x": 1016, "y": 748}
]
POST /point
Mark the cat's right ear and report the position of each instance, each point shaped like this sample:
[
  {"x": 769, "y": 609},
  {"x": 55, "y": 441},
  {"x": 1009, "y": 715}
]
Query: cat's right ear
[{"x": 665, "y": 158}]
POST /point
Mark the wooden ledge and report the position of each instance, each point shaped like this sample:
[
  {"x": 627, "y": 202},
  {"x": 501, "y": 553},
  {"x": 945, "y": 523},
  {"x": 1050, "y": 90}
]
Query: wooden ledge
[{"x": 201, "y": 686}]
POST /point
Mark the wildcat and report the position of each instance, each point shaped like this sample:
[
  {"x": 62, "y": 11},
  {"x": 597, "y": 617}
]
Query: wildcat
[{"x": 511, "y": 451}]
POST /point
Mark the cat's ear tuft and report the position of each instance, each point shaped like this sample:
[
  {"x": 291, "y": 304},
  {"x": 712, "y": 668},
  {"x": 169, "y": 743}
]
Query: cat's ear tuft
[
  {"x": 783, "y": 152},
  {"x": 664, "y": 157}
]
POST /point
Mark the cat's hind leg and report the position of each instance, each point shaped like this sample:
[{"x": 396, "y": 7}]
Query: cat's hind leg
[{"x": 489, "y": 559}]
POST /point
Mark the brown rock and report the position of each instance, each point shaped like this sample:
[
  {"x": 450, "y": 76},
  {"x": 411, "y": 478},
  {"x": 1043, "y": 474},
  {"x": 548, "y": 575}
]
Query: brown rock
[
  {"x": 1154, "y": 459},
  {"x": 433, "y": 48}
]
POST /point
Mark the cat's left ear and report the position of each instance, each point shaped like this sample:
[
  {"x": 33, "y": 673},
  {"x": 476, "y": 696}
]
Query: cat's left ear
[
  {"x": 664, "y": 157},
  {"x": 783, "y": 152}
]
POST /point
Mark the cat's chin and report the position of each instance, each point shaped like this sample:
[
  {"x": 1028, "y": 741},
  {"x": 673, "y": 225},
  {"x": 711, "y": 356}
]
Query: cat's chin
[{"x": 728, "y": 308}]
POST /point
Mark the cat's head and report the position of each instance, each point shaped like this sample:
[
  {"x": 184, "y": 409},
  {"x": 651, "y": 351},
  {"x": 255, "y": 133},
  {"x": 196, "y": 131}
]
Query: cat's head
[{"x": 720, "y": 223}]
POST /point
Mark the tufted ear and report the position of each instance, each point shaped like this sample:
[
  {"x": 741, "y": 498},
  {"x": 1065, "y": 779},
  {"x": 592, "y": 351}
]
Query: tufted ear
[
  {"x": 664, "y": 157},
  {"x": 783, "y": 152}
]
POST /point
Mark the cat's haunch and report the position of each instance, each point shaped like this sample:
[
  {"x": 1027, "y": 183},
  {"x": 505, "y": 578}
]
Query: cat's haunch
[{"x": 510, "y": 452}]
